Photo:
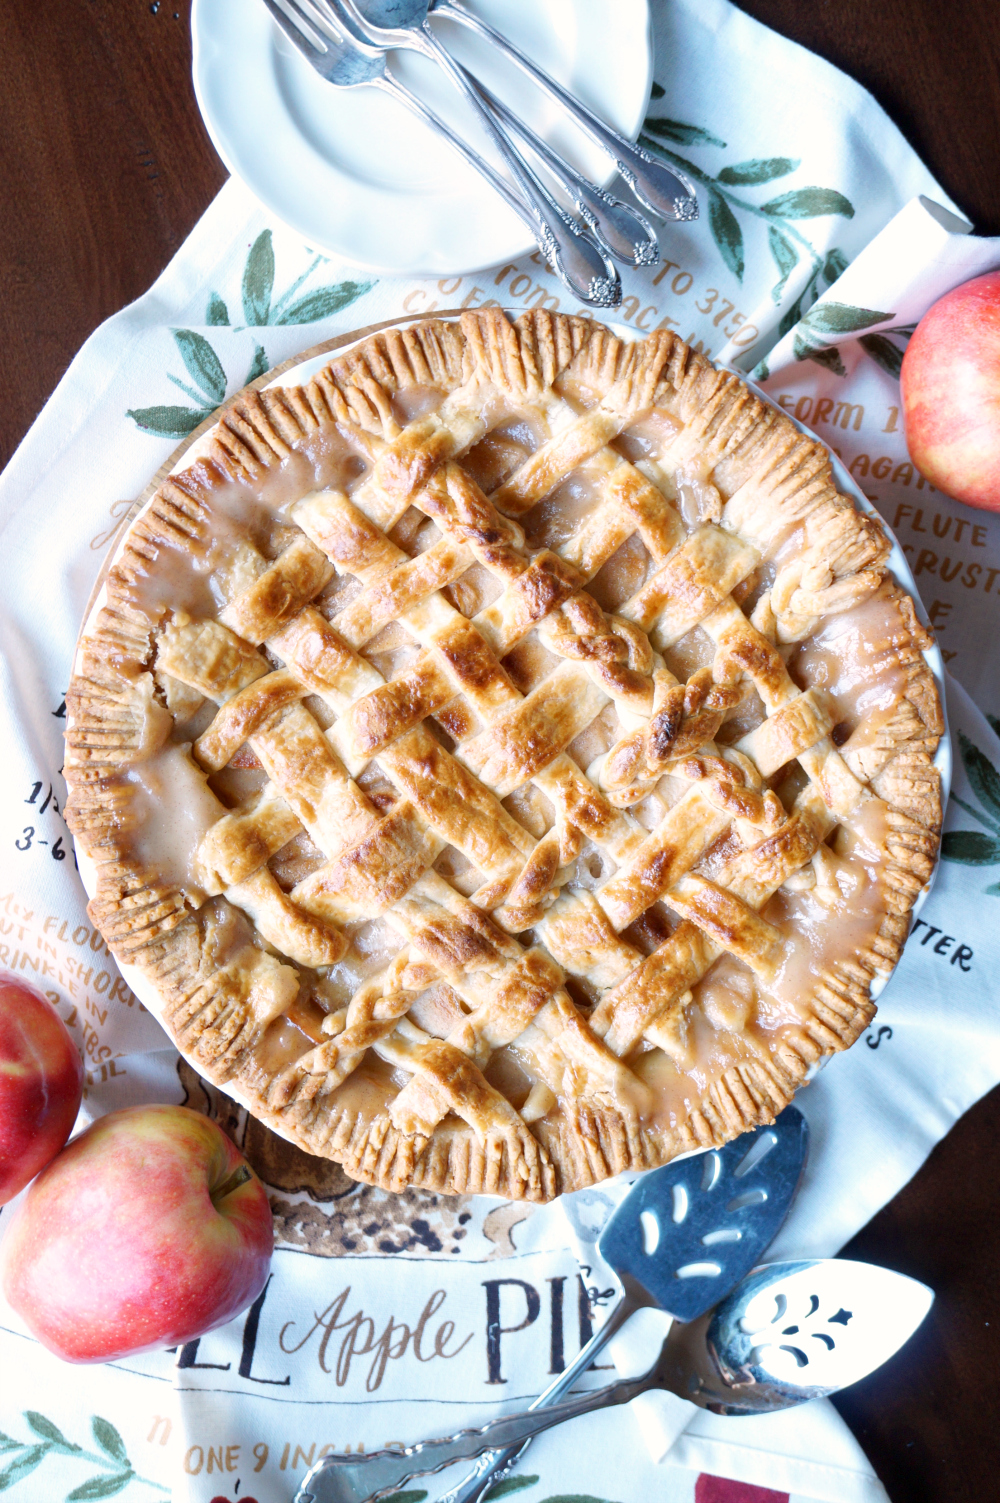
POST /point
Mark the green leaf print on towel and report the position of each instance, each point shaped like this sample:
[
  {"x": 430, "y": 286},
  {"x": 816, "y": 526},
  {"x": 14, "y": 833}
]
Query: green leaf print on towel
[
  {"x": 811, "y": 341},
  {"x": 258, "y": 280},
  {"x": 205, "y": 369},
  {"x": 977, "y": 847},
  {"x": 884, "y": 351},
  {"x": 207, "y": 386},
  {"x": 498, "y": 1491},
  {"x": 260, "y": 308},
  {"x": 726, "y": 230},
  {"x": 843, "y": 318},
  {"x": 786, "y": 258},
  {"x": 116, "y": 1471},
  {"x": 684, "y": 135},
  {"x": 809, "y": 203},
  {"x": 575, "y": 1498},
  {"x": 759, "y": 170},
  {"x": 787, "y": 243},
  {"x": 203, "y": 365}
]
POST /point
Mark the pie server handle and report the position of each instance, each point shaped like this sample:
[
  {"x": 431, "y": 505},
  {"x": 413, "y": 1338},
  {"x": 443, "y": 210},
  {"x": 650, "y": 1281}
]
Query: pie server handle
[
  {"x": 354, "y": 1479},
  {"x": 741, "y": 1164}
]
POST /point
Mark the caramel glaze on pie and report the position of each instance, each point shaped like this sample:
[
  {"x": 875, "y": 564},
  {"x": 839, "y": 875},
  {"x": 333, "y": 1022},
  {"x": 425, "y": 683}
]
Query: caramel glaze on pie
[{"x": 507, "y": 756}]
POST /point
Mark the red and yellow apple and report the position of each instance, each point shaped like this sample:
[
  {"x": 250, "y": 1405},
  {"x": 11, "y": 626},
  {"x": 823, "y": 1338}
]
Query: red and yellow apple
[
  {"x": 147, "y": 1231},
  {"x": 951, "y": 393},
  {"x": 41, "y": 1082}
]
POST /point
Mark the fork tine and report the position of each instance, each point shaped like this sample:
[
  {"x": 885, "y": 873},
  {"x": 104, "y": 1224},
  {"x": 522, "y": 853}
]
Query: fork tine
[
  {"x": 359, "y": 27},
  {"x": 297, "y": 28},
  {"x": 320, "y": 15},
  {"x": 351, "y": 33}
]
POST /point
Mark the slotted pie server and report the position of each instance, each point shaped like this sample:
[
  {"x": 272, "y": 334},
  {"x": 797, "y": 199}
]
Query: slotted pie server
[
  {"x": 680, "y": 1240},
  {"x": 790, "y": 1332}
]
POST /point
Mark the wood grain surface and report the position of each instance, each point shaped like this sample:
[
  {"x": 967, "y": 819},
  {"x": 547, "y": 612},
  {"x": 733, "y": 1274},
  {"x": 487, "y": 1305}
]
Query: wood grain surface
[{"x": 104, "y": 168}]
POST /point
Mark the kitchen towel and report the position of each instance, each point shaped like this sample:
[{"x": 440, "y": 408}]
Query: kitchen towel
[{"x": 822, "y": 239}]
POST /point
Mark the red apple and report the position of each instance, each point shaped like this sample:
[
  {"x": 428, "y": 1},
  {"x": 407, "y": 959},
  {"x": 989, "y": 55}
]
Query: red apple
[
  {"x": 951, "y": 393},
  {"x": 41, "y": 1081},
  {"x": 147, "y": 1231}
]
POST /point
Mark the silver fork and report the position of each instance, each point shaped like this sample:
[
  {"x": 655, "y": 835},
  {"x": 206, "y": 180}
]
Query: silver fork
[
  {"x": 565, "y": 245},
  {"x": 346, "y": 60},
  {"x": 619, "y": 228},
  {"x": 662, "y": 189},
  {"x": 666, "y": 191}
]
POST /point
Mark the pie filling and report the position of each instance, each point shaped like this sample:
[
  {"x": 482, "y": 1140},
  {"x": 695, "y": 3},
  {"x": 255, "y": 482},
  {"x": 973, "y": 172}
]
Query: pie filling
[{"x": 519, "y": 749}]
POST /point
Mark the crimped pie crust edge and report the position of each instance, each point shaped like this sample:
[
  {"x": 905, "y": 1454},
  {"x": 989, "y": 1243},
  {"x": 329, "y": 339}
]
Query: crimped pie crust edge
[{"x": 757, "y": 452}]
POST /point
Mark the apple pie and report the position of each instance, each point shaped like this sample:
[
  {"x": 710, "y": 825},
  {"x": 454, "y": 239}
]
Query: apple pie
[{"x": 506, "y": 755}]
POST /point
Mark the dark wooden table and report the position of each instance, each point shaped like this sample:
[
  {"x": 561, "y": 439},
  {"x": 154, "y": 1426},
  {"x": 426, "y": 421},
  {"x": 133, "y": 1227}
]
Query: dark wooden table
[{"x": 104, "y": 168}]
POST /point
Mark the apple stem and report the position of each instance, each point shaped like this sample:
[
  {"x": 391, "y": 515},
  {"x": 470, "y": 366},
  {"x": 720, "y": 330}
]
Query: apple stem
[{"x": 239, "y": 1176}]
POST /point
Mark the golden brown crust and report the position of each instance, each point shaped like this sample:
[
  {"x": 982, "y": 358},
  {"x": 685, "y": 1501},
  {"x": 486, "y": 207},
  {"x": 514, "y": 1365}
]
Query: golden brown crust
[{"x": 242, "y": 962}]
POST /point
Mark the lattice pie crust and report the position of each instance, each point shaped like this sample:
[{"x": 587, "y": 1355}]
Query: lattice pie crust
[{"x": 507, "y": 755}]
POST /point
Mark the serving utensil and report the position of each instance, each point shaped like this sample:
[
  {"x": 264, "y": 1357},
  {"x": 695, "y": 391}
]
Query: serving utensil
[
  {"x": 787, "y": 1333},
  {"x": 341, "y": 53},
  {"x": 683, "y": 1236},
  {"x": 790, "y": 1332}
]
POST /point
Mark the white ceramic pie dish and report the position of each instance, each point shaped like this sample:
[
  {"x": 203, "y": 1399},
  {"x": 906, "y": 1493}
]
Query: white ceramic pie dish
[
  {"x": 360, "y": 177},
  {"x": 300, "y": 370}
]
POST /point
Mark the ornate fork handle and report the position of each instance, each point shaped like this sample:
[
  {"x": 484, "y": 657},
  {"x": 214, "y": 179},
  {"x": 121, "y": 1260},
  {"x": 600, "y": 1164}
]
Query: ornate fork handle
[
  {"x": 666, "y": 191},
  {"x": 622, "y": 231}
]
